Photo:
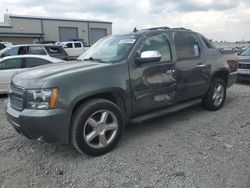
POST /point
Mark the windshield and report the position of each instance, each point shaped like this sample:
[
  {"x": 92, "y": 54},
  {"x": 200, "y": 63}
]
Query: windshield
[
  {"x": 110, "y": 49},
  {"x": 246, "y": 52}
]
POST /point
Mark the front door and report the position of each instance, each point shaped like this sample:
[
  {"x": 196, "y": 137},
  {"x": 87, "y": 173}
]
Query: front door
[{"x": 153, "y": 84}]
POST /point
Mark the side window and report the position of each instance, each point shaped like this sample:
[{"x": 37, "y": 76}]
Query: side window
[
  {"x": 12, "y": 51},
  {"x": 33, "y": 62},
  {"x": 11, "y": 64},
  {"x": 54, "y": 50},
  {"x": 207, "y": 43},
  {"x": 68, "y": 45},
  {"x": 23, "y": 50},
  {"x": 186, "y": 46},
  {"x": 37, "y": 50},
  {"x": 158, "y": 43},
  {"x": 78, "y": 45}
]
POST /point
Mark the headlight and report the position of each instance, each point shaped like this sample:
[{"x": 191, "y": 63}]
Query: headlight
[{"x": 41, "y": 99}]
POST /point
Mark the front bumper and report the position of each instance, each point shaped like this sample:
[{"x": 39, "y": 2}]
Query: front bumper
[
  {"x": 44, "y": 125},
  {"x": 243, "y": 74}
]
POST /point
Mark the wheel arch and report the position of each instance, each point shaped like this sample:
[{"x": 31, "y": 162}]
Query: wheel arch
[
  {"x": 221, "y": 73},
  {"x": 115, "y": 95}
]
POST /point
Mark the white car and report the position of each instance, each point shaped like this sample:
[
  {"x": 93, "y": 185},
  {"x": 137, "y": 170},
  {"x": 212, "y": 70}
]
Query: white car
[
  {"x": 14, "y": 64},
  {"x": 73, "y": 48}
]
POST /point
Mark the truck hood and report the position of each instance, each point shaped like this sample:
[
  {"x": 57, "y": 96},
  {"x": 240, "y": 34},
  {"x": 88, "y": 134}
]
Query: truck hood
[{"x": 34, "y": 78}]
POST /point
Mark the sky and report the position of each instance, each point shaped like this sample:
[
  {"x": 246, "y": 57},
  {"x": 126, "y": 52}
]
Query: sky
[{"x": 219, "y": 20}]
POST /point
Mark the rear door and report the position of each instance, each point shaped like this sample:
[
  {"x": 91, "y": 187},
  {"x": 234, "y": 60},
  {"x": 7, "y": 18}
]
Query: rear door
[
  {"x": 79, "y": 49},
  {"x": 34, "y": 62},
  {"x": 7, "y": 69},
  {"x": 37, "y": 50},
  {"x": 69, "y": 48},
  {"x": 192, "y": 72}
]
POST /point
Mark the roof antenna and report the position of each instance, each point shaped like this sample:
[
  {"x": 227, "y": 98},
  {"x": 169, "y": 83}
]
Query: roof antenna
[{"x": 135, "y": 30}]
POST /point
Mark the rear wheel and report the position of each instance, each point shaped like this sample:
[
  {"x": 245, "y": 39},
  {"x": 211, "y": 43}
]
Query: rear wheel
[
  {"x": 216, "y": 95},
  {"x": 97, "y": 127}
]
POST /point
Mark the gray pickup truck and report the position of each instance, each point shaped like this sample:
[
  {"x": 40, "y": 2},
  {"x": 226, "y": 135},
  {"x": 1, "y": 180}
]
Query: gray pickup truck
[{"x": 122, "y": 79}]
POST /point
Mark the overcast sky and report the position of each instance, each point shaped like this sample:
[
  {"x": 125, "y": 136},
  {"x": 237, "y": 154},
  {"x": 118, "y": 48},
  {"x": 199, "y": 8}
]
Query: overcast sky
[{"x": 217, "y": 19}]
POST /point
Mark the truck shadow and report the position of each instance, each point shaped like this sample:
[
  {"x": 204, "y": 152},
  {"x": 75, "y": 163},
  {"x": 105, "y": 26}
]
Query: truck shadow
[
  {"x": 132, "y": 134},
  {"x": 163, "y": 123},
  {"x": 171, "y": 122},
  {"x": 242, "y": 82}
]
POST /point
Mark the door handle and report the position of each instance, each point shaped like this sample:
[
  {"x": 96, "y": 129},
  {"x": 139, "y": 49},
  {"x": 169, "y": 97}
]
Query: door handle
[{"x": 201, "y": 65}]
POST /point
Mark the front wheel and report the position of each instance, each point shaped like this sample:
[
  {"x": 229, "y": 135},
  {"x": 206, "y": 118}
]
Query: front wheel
[
  {"x": 216, "y": 95},
  {"x": 97, "y": 127}
]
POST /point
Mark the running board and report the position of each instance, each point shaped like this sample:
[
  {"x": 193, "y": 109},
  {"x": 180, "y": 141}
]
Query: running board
[{"x": 165, "y": 111}]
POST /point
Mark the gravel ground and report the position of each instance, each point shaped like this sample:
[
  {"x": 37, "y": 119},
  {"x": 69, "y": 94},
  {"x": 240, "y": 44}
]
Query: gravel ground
[{"x": 191, "y": 148}]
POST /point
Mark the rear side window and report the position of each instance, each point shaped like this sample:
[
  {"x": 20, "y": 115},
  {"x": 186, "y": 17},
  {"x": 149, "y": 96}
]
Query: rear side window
[
  {"x": 33, "y": 62},
  {"x": 158, "y": 43},
  {"x": 53, "y": 50},
  {"x": 11, "y": 64},
  {"x": 37, "y": 50},
  {"x": 186, "y": 46},
  {"x": 207, "y": 43},
  {"x": 78, "y": 45},
  {"x": 23, "y": 50}
]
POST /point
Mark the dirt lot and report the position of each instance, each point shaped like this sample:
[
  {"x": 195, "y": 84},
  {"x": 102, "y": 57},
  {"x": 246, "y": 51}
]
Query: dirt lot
[{"x": 191, "y": 148}]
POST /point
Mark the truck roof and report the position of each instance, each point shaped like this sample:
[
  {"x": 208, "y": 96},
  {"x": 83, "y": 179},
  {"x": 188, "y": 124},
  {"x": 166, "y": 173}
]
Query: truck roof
[{"x": 164, "y": 28}]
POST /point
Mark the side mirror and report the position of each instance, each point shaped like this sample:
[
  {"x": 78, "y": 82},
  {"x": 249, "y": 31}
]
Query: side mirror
[{"x": 149, "y": 57}]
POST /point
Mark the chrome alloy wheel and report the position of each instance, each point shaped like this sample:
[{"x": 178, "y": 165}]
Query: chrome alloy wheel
[
  {"x": 219, "y": 94},
  {"x": 100, "y": 129}
]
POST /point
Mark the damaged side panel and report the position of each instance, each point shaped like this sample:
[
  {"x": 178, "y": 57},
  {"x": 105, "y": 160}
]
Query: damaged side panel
[{"x": 155, "y": 88}]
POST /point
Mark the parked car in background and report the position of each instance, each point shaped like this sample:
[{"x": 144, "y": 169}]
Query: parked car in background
[
  {"x": 46, "y": 42},
  {"x": 14, "y": 64},
  {"x": 73, "y": 48},
  {"x": 36, "y": 49},
  {"x": 244, "y": 65},
  {"x": 2, "y": 46},
  {"x": 5, "y": 44},
  {"x": 238, "y": 50},
  {"x": 121, "y": 79}
]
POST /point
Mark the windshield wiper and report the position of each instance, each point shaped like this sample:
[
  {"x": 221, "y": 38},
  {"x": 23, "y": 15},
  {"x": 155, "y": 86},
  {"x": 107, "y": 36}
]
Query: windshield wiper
[{"x": 95, "y": 59}]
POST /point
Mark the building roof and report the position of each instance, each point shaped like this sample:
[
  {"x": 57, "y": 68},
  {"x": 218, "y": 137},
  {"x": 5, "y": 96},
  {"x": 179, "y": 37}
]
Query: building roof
[
  {"x": 56, "y": 18},
  {"x": 3, "y": 24}
]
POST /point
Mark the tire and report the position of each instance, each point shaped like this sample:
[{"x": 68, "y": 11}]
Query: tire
[
  {"x": 216, "y": 95},
  {"x": 97, "y": 126}
]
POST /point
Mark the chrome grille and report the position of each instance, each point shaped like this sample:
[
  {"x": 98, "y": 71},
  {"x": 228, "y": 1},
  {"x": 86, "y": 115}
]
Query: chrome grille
[
  {"x": 17, "y": 97},
  {"x": 244, "y": 66}
]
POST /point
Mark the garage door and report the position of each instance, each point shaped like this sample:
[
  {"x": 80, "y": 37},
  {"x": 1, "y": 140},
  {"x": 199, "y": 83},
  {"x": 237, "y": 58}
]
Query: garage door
[
  {"x": 97, "y": 34},
  {"x": 68, "y": 33}
]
